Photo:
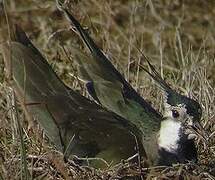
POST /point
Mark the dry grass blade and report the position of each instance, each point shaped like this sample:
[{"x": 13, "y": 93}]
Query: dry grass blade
[{"x": 188, "y": 63}]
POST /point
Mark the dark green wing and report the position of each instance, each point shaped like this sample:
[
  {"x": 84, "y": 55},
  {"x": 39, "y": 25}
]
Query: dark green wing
[
  {"x": 108, "y": 87},
  {"x": 73, "y": 123}
]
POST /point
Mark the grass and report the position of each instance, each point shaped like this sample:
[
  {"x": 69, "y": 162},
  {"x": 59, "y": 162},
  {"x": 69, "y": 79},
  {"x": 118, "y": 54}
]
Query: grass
[{"x": 178, "y": 38}]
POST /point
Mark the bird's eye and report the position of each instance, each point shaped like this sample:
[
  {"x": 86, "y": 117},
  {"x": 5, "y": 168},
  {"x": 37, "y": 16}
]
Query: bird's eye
[{"x": 175, "y": 113}]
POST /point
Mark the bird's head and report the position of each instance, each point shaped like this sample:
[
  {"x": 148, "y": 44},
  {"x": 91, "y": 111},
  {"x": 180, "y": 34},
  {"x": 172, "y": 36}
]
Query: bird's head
[
  {"x": 177, "y": 106},
  {"x": 182, "y": 109},
  {"x": 181, "y": 118}
]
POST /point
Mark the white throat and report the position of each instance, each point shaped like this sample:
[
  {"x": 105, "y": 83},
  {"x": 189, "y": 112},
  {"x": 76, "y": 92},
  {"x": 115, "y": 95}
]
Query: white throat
[{"x": 169, "y": 135}]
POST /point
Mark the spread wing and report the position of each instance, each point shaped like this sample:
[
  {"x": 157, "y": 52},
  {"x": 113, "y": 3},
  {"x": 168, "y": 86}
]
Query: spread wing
[
  {"x": 73, "y": 123},
  {"x": 109, "y": 88}
]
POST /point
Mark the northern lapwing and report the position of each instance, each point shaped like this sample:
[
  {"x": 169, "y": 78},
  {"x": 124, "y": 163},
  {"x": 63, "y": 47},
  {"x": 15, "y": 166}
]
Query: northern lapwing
[{"x": 167, "y": 139}]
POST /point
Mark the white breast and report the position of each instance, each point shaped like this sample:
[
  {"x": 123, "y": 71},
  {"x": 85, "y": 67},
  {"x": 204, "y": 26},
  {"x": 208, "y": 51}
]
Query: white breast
[{"x": 169, "y": 135}]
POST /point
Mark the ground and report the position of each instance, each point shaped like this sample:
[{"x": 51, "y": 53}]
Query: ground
[{"x": 178, "y": 37}]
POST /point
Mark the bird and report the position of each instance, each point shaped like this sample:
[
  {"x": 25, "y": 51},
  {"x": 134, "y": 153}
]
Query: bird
[
  {"x": 112, "y": 129},
  {"x": 166, "y": 138}
]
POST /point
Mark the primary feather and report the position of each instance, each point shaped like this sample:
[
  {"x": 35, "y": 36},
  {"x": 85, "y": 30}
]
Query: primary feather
[{"x": 76, "y": 125}]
